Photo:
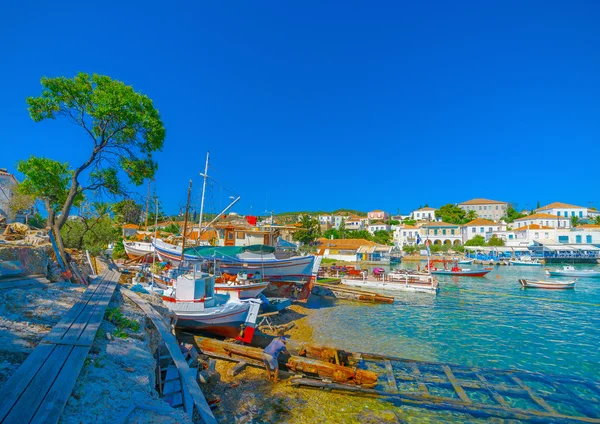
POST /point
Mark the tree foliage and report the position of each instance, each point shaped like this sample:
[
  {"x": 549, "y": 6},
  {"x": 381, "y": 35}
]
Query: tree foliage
[
  {"x": 574, "y": 221},
  {"x": 382, "y": 237},
  {"x": 512, "y": 214},
  {"x": 452, "y": 214},
  {"x": 309, "y": 230},
  {"x": 20, "y": 203},
  {"x": 476, "y": 241},
  {"x": 495, "y": 241},
  {"x": 92, "y": 230},
  {"x": 127, "y": 211},
  {"x": 123, "y": 127}
]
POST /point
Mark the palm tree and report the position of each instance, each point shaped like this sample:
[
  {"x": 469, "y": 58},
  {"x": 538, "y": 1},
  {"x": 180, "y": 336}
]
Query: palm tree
[
  {"x": 574, "y": 221},
  {"x": 471, "y": 215}
]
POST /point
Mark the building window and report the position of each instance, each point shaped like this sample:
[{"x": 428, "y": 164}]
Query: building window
[
  {"x": 546, "y": 235},
  {"x": 452, "y": 232},
  {"x": 563, "y": 239},
  {"x": 588, "y": 239},
  {"x": 481, "y": 230},
  {"x": 474, "y": 230},
  {"x": 537, "y": 235},
  {"x": 572, "y": 213},
  {"x": 580, "y": 214},
  {"x": 435, "y": 232},
  {"x": 510, "y": 236},
  {"x": 444, "y": 232},
  {"x": 558, "y": 213},
  {"x": 577, "y": 239},
  {"x": 240, "y": 235},
  {"x": 490, "y": 230}
]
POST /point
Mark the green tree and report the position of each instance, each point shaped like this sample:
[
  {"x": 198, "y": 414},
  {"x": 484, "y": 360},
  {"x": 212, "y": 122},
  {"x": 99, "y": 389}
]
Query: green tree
[
  {"x": 470, "y": 216},
  {"x": 574, "y": 221},
  {"x": 331, "y": 233},
  {"x": 495, "y": 241},
  {"x": 410, "y": 249},
  {"x": 172, "y": 228},
  {"x": 512, "y": 214},
  {"x": 393, "y": 222},
  {"x": 342, "y": 229},
  {"x": 452, "y": 214},
  {"x": 309, "y": 230},
  {"x": 20, "y": 203},
  {"x": 476, "y": 241},
  {"x": 409, "y": 222},
  {"x": 124, "y": 129},
  {"x": 597, "y": 220},
  {"x": 382, "y": 237},
  {"x": 93, "y": 230},
  {"x": 127, "y": 211},
  {"x": 359, "y": 234}
]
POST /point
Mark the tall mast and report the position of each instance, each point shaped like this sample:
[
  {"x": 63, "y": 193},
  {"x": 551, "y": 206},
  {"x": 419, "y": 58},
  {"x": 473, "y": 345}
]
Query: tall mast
[
  {"x": 187, "y": 210},
  {"x": 205, "y": 176},
  {"x": 155, "y": 233},
  {"x": 147, "y": 206}
]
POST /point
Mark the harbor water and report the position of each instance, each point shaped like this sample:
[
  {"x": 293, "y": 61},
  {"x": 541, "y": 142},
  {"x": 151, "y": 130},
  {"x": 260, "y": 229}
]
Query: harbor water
[{"x": 487, "y": 322}]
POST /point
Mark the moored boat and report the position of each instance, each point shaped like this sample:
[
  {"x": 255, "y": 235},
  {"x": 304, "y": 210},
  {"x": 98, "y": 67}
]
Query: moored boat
[
  {"x": 462, "y": 272},
  {"x": 240, "y": 286},
  {"x": 570, "y": 271},
  {"x": 398, "y": 281},
  {"x": 525, "y": 261},
  {"x": 540, "y": 284},
  {"x": 466, "y": 262},
  {"x": 138, "y": 249}
]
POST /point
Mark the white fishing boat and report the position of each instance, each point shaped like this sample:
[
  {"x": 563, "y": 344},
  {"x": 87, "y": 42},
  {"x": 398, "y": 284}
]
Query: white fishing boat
[
  {"x": 525, "y": 261},
  {"x": 551, "y": 285},
  {"x": 138, "y": 249},
  {"x": 198, "y": 308},
  {"x": 466, "y": 262},
  {"x": 240, "y": 286},
  {"x": 399, "y": 281},
  {"x": 570, "y": 271}
]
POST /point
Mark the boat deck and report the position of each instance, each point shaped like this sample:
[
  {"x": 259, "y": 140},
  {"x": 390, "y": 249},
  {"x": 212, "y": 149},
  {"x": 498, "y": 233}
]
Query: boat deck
[
  {"x": 480, "y": 392},
  {"x": 38, "y": 391}
]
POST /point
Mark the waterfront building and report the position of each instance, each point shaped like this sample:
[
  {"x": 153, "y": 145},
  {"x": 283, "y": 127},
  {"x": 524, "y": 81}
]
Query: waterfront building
[
  {"x": 566, "y": 210},
  {"x": 8, "y": 183},
  {"x": 378, "y": 215},
  {"x": 405, "y": 235},
  {"x": 544, "y": 219},
  {"x": 424, "y": 214},
  {"x": 354, "y": 250},
  {"x": 441, "y": 233},
  {"x": 485, "y": 208},
  {"x": 480, "y": 227}
]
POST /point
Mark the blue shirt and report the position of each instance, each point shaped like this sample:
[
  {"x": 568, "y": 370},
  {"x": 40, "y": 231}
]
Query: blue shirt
[{"x": 275, "y": 348}]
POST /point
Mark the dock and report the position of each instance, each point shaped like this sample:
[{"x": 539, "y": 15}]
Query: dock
[{"x": 39, "y": 389}]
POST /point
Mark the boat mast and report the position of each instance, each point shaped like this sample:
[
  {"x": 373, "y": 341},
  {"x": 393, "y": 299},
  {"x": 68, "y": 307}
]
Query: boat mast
[
  {"x": 147, "y": 206},
  {"x": 187, "y": 210},
  {"x": 155, "y": 231},
  {"x": 205, "y": 176}
]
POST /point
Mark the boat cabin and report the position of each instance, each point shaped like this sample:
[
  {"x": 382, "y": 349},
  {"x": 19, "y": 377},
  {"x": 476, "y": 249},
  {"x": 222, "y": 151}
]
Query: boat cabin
[{"x": 195, "y": 287}]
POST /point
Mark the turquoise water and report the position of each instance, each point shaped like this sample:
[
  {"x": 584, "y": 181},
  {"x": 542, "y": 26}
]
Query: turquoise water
[{"x": 486, "y": 322}]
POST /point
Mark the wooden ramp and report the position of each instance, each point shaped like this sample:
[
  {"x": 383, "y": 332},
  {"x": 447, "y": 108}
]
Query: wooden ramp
[
  {"x": 38, "y": 391},
  {"x": 189, "y": 385}
]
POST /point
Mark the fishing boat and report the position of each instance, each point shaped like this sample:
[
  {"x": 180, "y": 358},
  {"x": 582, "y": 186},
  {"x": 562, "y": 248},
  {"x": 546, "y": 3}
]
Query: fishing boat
[
  {"x": 570, "y": 271},
  {"x": 552, "y": 285},
  {"x": 525, "y": 261},
  {"x": 171, "y": 253},
  {"x": 466, "y": 262},
  {"x": 398, "y": 281},
  {"x": 455, "y": 270},
  {"x": 240, "y": 286},
  {"x": 138, "y": 249},
  {"x": 198, "y": 308}
]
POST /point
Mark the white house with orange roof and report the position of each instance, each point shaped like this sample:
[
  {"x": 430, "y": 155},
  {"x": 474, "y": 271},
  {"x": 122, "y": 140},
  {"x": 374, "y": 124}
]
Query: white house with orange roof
[
  {"x": 424, "y": 214},
  {"x": 406, "y": 235},
  {"x": 485, "y": 208},
  {"x": 441, "y": 233},
  {"x": 356, "y": 223},
  {"x": 378, "y": 215},
  {"x": 568, "y": 211},
  {"x": 480, "y": 227},
  {"x": 543, "y": 219}
]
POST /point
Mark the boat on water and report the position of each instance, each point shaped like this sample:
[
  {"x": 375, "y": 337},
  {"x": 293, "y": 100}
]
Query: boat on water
[
  {"x": 570, "y": 271},
  {"x": 455, "y": 270},
  {"x": 399, "y": 281},
  {"x": 138, "y": 249},
  {"x": 525, "y": 261},
  {"x": 552, "y": 285},
  {"x": 466, "y": 262},
  {"x": 198, "y": 308}
]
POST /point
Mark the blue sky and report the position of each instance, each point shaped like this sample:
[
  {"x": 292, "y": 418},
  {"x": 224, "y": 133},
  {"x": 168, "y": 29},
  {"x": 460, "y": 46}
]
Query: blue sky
[{"x": 325, "y": 105}]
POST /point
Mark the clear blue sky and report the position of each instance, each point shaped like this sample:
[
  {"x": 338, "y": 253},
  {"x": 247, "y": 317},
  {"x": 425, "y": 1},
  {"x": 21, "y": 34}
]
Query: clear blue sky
[{"x": 324, "y": 105}]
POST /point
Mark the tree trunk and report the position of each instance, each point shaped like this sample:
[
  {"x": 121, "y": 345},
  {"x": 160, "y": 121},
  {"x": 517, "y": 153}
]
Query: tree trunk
[{"x": 60, "y": 246}]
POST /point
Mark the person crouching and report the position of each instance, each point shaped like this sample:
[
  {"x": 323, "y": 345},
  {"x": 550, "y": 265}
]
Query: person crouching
[{"x": 271, "y": 356}]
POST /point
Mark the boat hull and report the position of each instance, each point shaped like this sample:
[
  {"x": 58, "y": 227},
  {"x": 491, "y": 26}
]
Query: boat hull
[
  {"x": 298, "y": 291},
  {"x": 291, "y": 269},
  {"x": 136, "y": 250},
  {"x": 548, "y": 285},
  {"x": 519, "y": 263},
  {"x": 226, "y": 324},
  {"x": 244, "y": 291},
  {"x": 393, "y": 285},
  {"x": 583, "y": 274},
  {"x": 477, "y": 273}
]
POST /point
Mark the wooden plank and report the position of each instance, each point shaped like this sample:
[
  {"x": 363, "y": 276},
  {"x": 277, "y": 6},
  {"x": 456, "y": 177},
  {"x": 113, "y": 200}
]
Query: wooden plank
[
  {"x": 21, "y": 378},
  {"x": 389, "y": 373},
  {"x": 187, "y": 376},
  {"x": 69, "y": 342},
  {"x": 576, "y": 401},
  {"x": 55, "y": 400},
  {"x": 457, "y": 388},
  {"x": 419, "y": 379},
  {"x": 490, "y": 388},
  {"x": 541, "y": 402},
  {"x": 64, "y": 324},
  {"x": 24, "y": 409},
  {"x": 237, "y": 368}
]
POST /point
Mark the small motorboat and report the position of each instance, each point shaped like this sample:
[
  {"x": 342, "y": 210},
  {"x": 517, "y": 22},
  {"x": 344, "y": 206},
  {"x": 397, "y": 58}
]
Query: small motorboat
[
  {"x": 552, "y": 285},
  {"x": 466, "y": 262},
  {"x": 570, "y": 271},
  {"x": 460, "y": 272},
  {"x": 525, "y": 261},
  {"x": 397, "y": 281}
]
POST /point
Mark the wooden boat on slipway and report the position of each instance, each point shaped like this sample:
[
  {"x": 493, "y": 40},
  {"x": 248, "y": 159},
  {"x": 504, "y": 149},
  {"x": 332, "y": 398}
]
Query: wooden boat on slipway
[
  {"x": 138, "y": 249},
  {"x": 549, "y": 285}
]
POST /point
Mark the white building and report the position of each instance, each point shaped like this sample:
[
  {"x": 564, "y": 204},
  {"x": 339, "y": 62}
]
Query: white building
[
  {"x": 568, "y": 211},
  {"x": 485, "y": 208},
  {"x": 8, "y": 182},
  {"x": 543, "y": 219},
  {"x": 382, "y": 226},
  {"x": 424, "y": 214},
  {"x": 325, "y": 219},
  {"x": 406, "y": 235},
  {"x": 480, "y": 227},
  {"x": 356, "y": 224},
  {"x": 441, "y": 233}
]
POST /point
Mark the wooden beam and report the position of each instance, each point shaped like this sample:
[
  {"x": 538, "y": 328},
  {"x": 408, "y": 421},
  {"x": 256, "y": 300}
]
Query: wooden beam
[
  {"x": 533, "y": 396},
  {"x": 457, "y": 388},
  {"x": 237, "y": 368},
  {"x": 187, "y": 377},
  {"x": 389, "y": 373},
  {"x": 419, "y": 379}
]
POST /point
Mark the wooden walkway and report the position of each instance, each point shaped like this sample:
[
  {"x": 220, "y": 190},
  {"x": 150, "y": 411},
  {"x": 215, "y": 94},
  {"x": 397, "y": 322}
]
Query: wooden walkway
[
  {"x": 38, "y": 391},
  {"x": 186, "y": 375}
]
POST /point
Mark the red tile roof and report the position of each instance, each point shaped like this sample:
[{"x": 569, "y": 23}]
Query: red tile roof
[
  {"x": 482, "y": 202},
  {"x": 480, "y": 221},
  {"x": 560, "y": 205}
]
